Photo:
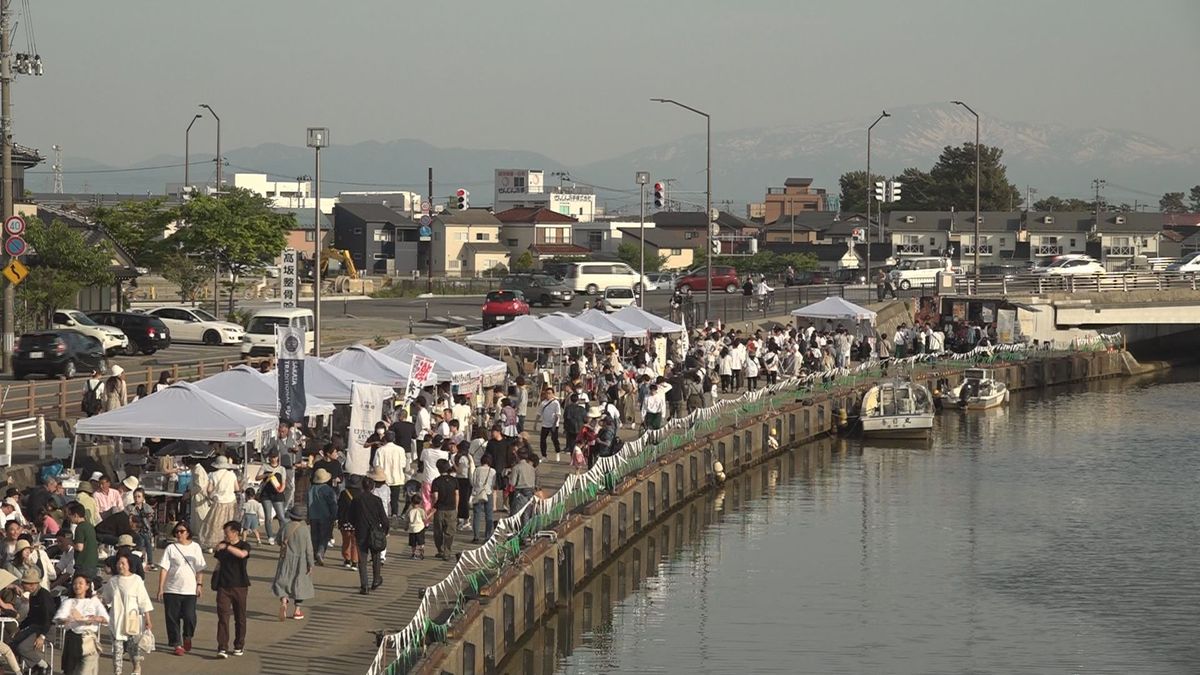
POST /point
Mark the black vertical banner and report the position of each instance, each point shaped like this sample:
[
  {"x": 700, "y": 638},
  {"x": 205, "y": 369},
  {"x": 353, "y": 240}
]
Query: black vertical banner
[{"x": 289, "y": 350}]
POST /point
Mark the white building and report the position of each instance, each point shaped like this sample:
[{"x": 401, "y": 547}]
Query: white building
[
  {"x": 294, "y": 195},
  {"x": 526, "y": 188},
  {"x": 400, "y": 200}
]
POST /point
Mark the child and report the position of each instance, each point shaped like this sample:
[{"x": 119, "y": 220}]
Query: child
[
  {"x": 252, "y": 516},
  {"x": 415, "y": 517}
]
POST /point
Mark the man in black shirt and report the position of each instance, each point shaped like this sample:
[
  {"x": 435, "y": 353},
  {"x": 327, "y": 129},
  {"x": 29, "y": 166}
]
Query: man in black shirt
[
  {"x": 329, "y": 461},
  {"x": 232, "y": 583},
  {"x": 500, "y": 448},
  {"x": 406, "y": 431},
  {"x": 30, "y": 640},
  {"x": 574, "y": 417},
  {"x": 444, "y": 495}
]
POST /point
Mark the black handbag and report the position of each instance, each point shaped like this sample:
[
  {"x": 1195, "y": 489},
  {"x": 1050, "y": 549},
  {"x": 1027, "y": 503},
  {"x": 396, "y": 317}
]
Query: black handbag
[{"x": 378, "y": 538}]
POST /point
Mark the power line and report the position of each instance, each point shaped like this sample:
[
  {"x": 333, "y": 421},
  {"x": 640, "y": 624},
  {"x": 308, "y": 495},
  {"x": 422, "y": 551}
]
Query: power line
[{"x": 142, "y": 168}]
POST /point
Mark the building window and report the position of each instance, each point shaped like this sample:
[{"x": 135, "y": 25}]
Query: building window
[
  {"x": 309, "y": 235},
  {"x": 933, "y": 241},
  {"x": 512, "y": 243},
  {"x": 676, "y": 251},
  {"x": 358, "y": 230},
  {"x": 380, "y": 256},
  {"x": 595, "y": 240},
  {"x": 519, "y": 182},
  {"x": 481, "y": 236},
  {"x": 581, "y": 210},
  {"x": 382, "y": 235},
  {"x": 689, "y": 235},
  {"x": 1072, "y": 243},
  {"x": 1003, "y": 242},
  {"x": 462, "y": 236},
  {"x": 453, "y": 264}
]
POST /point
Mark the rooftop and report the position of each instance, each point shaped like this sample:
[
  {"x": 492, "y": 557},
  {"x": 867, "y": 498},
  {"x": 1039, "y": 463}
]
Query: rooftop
[{"x": 533, "y": 215}]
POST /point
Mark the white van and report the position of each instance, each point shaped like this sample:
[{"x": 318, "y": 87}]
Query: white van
[
  {"x": 593, "y": 277},
  {"x": 259, "y": 339},
  {"x": 917, "y": 271}
]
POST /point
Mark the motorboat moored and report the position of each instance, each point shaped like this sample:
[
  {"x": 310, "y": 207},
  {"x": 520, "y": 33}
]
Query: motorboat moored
[
  {"x": 978, "y": 391},
  {"x": 897, "y": 409}
]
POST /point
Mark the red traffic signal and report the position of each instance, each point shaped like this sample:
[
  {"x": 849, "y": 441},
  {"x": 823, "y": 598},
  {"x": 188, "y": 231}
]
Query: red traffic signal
[
  {"x": 660, "y": 195},
  {"x": 463, "y": 199}
]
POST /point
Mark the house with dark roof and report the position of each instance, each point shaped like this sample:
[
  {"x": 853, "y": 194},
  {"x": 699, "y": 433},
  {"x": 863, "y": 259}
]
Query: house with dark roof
[
  {"x": 830, "y": 257},
  {"x": 797, "y": 196},
  {"x": 467, "y": 243},
  {"x": 380, "y": 239},
  {"x": 678, "y": 251},
  {"x": 952, "y": 233},
  {"x": 543, "y": 232},
  {"x": 102, "y": 297}
]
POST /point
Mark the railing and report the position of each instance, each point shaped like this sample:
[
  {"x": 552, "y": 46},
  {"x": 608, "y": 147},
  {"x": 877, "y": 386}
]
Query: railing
[
  {"x": 1122, "y": 251},
  {"x": 1092, "y": 283},
  {"x": 984, "y": 249},
  {"x": 446, "y": 601},
  {"x": 910, "y": 249},
  {"x": 20, "y": 430},
  {"x": 1047, "y": 249},
  {"x": 729, "y": 307}
]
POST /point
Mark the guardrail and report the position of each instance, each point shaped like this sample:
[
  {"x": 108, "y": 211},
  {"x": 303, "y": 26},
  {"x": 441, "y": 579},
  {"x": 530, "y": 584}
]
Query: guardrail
[
  {"x": 1031, "y": 284},
  {"x": 20, "y": 430},
  {"x": 738, "y": 307},
  {"x": 447, "y": 599}
]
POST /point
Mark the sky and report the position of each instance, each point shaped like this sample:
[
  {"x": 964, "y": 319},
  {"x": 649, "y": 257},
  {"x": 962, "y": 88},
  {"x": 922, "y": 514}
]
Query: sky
[{"x": 573, "y": 80}]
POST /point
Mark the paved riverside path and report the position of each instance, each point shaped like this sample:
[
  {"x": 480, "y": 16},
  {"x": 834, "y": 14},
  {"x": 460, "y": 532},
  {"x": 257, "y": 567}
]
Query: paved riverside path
[{"x": 334, "y": 636}]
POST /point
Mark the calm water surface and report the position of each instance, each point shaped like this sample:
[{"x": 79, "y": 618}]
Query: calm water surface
[{"x": 1056, "y": 536}]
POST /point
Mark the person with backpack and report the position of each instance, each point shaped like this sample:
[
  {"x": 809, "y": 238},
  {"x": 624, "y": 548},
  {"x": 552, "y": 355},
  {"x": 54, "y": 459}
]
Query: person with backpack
[
  {"x": 92, "y": 389},
  {"x": 370, "y": 531}
]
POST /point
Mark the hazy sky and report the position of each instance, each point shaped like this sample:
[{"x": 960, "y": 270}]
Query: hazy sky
[{"x": 572, "y": 79}]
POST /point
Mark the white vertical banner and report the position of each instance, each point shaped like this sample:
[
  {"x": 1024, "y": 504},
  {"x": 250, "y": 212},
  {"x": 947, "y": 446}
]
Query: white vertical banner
[
  {"x": 419, "y": 374},
  {"x": 1006, "y": 326},
  {"x": 289, "y": 279},
  {"x": 366, "y": 408}
]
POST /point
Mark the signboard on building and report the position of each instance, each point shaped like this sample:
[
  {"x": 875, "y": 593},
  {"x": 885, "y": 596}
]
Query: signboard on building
[
  {"x": 1006, "y": 326},
  {"x": 289, "y": 279}
]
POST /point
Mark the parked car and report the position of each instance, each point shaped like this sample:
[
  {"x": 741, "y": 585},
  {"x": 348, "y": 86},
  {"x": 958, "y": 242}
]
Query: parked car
[
  {"x": 917, "y": 271},
  {"x": 503, "y": 306},
  {"x": 593, "y": 277},
  {"x": 57, "y": 353},
  {"x": 662, "y": 279},
  {"x": 111, "y": 339},
  {"x": 848, "y": 276},
  {"x": 807, "y": 278},
  {"x": 1188, "y": 264},
  {"x": 1006, "y": 271},
  {"x": 192, "y": 324},
  {"x": 556, "y": 269},
  {"x": 1071, "y": 267},
  {"x": 259, "y": 339},
  {"x": 146, "y": 333},
  {"x": 723, "y": 278},
  {"x": 616, "y": 297},
  {"x": 1043, "y": 263},
  {"x": 539, "y": 288}
]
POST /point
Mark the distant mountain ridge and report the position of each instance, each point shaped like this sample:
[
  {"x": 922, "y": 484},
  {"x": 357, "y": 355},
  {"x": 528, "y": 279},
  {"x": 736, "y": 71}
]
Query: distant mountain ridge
[{"x": 1054, "y": 159}]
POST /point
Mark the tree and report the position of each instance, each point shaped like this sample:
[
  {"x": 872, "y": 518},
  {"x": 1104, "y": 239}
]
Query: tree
[
  {"x": 1060, "y": 205},
  {"x": 1172, "y": 202},
  {"x": 138, "y": 227},
  {"x": 237, "y": 231},
  {"x": 1194, "y": 198},
  {"x": 953, "y": 179},
  {"x": 853, "y": 198},
  {"x": 765, "y": 262},
  {"x": 523, "y": 262},
  {"x": 631, "y": 254},
  {"x": 61, "y": 264},
  {"x": 182, "y": 270}
]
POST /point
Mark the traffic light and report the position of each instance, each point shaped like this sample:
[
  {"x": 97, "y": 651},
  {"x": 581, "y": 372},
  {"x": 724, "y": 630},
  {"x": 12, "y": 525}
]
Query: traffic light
[
  {"x": 660, "y": 195},
  {"x": 895, "y": 196},
  {"x": 463, "y": 197},
  {"x": 880, "y": 191}
]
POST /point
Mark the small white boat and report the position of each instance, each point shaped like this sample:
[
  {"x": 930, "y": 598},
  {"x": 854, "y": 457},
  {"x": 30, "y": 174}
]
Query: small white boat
[
  {"x": 978, "y": 391},
  {"x": 897, "y": 409}
]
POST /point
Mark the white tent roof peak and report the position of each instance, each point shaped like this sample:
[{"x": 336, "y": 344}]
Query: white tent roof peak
[
  {"x": 568, "y": 323},
  {"x": 371, "y": 366},
  {"x": 835, "y": 308},
  {"x": 246, "y": 386},
  {"x": 526, "y": 331},
  {"x": 643, "y": 319},
  {"x": 183, "y": 412},
  {"x": 608, "y": 322}
]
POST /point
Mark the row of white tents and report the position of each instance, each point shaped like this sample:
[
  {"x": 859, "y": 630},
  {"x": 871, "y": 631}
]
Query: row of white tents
[{"x": 564, "y": 331}]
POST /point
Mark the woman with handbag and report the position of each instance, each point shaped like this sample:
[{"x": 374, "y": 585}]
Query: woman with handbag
[
  {"x": 82, "y": 615},
  {"x": 179, "y": 587},
  {"x": 293, "y": 575},
  {"x": 129, "y": 617}
]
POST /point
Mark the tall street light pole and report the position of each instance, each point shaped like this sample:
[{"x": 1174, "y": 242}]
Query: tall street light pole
[
  {"x": 6, "y": 77},
  {"x": 219, "y": 159},
  {"x": 975, "y": 240},
  {"x": 641, "y": 178},
  {"x": 318, "y": 137},
  {"x": 187, "y": 155},
  {"x": 217, "y": 262},
  {"x": 708, "y": 225},
  {"x": 869, "y": 192}
]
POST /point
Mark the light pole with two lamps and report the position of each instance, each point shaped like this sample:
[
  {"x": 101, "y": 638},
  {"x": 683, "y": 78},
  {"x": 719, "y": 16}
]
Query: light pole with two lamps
[
  {"x": 187, "y": 156},
  {"x": 318, "y": 137},
  {"x": 641, "y": 178},
  {"x": 975, "y": 239},
  {"x": 868, "y": 181}
]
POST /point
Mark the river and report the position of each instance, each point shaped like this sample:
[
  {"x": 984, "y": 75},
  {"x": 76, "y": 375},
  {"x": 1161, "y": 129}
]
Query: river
[{"x": 1058, "y": 535}]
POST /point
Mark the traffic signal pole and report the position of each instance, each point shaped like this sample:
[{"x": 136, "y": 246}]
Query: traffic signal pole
[{"x": 6, "y": 171}]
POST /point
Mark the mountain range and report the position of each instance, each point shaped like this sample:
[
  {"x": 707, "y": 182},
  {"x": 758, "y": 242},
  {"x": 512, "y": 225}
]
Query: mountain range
[{"x": 1052, "y": 158}]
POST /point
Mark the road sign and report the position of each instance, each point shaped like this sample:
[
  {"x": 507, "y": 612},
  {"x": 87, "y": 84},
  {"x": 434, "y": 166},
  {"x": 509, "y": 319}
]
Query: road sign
[
  {"x": 15, "y": 272},
  {"x": 426, "y": 220},
  {"x": 14, "y": 225},
  {"x": 425, "y": 207},
  {"x": 15, "y": 246},
  {"x": 425, "y": 233},
  {"x": 857, "y": 234},
  {"x": 289, "y": 278}
]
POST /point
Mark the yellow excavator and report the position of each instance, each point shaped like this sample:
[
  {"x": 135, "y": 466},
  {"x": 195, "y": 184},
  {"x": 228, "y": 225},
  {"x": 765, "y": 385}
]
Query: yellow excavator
[{"x": 334, "y": 263}]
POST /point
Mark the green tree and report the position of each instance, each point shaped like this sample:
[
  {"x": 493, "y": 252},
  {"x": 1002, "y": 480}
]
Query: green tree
[
  {"x": 138, "y": 226},
  {"x": 183, "y": 270},
  {"x": 523, "y": 262},
  {"x": 61, "y": 264},
  {"x": 853, "y": 197},
  {"x": 1194, "y": 198},
  {"x": 952, "y": 179},
  {"x": 631, "y": 254},
  {"x": 237, "y": 231},
  {"x": 1172, "y": 202},
  {"x": 764, "y": 262},
  {"x": 1060, "y": 205}
]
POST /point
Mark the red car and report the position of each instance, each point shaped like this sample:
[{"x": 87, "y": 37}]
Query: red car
[
  {"x": 503, "y": 306},
  {"x": 723, "y": 278}
]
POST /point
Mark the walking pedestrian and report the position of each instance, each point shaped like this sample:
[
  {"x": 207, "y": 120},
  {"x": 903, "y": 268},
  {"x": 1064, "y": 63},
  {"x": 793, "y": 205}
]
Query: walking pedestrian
[
  {"x": 346, "y": 523},
  {"x": 464, "y": 466},
  {"x": 392, "y": 459},
  {"x": 82, "y": 615},
  {"x": 483, "y": 481},
  {"x": 222, "y": 498},
  {"x": 293, "y": 574},
  {"x": 273, "y": 479},
  {"x": 180, "y": 583},
  {"x": 322, "y": 510},
  {"x": 550, "y": 414},
  {"x": 370, "y": 532},
  {"x": 232, "y": 583},
  {"x": 414, "y": 522},
  {"x": 444, "y": 496},
  {"x": 129, "y": 616},
  {"x": 251, "y": 515},
  {"x": 524, "y": 476}
]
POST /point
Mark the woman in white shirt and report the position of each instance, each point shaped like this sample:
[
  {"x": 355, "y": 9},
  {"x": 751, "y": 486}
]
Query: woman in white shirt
[
  {"x": 130, "y": 605},
  {"x": 222, "y": 499},
  {"x": 82, "y": 615},
  {"x": 179, "y": 585}
]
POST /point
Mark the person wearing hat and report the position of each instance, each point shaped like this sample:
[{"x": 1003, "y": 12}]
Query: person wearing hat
[
  {"x": 125, "y": 544},
  {"x": 322, "y": 511},
  {"x": 222, "y": 498},
  {"x": 83, "y": 495},
  {"x": 34, "y": 629},
  {"x": 127, "y": 487},
  {"x": 293, "y": 574},
  {"x": 384, "y": 492},
  {"x": 29, "y": 557}
]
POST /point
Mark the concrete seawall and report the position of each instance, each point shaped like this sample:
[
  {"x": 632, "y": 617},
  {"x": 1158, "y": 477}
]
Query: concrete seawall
[{"x": 549, "y": 571}]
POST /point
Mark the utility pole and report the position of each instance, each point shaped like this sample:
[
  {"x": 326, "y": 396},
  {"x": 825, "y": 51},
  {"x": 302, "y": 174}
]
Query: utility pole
[
  {"x": 6, "y": 140},
  {"x": 1029, "y": 193},
  {"x": 975, "y": 238},
  {"x": 57, "y": 169},
  {"x": 641, "y": 178},
  {"x": 1098, "y": 184},
  {"x": 318, "y": 137}
]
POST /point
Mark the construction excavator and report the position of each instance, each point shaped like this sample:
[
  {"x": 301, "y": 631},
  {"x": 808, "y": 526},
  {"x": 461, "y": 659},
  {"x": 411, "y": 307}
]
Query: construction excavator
[{"x": 337, "y": 268}]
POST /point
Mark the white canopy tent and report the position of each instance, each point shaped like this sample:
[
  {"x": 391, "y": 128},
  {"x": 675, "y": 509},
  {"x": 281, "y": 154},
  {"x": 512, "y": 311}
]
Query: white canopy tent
[
  {"x": 643, "y": 319},
  {"x": 446, "y": 368},
  {"x": 835, "y": 308},
  {"x": 619, "y": 328},
  {"x": 246, "y": 386},
  {"x": 183, "y": 412},
  {"x": 326, "y": 381},
  {"x": 372, "y": 366},
  {"x": 526, "y": 331},
  {"x": 590, "y": 334},
  {"x": 494, "y": 370}
]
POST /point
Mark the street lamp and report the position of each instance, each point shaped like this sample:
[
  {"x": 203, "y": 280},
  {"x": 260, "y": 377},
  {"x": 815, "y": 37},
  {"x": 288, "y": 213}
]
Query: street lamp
[
  {"x": 187, "y": 154},
  {"x": 318, "y": 137},
  {"x": 707, "y": 196},
  {"x": 975, "y": 241},
  {"x": 868, "y": 181},
  {"x": 218, "y": 119},
  {"x": 641, "y": 178}
]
